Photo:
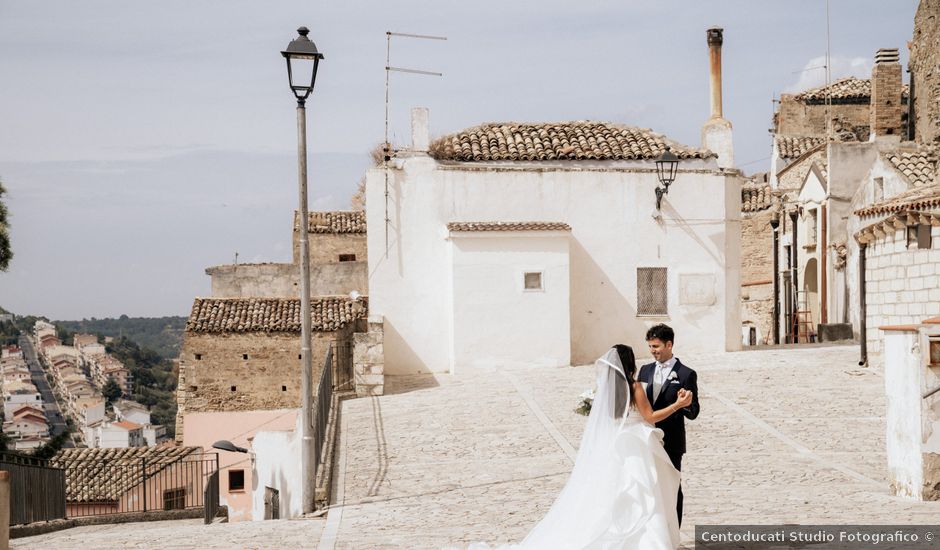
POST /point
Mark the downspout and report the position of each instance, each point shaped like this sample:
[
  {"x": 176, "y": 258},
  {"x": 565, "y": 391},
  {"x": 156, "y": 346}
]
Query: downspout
[
  {"x": 794, "y": 276},
  {"x": 823, "y": 277},
  {"x": 863, "y": 325}
]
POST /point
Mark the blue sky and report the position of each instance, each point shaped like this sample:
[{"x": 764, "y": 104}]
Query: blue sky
[{"x": 144, "y": 141}]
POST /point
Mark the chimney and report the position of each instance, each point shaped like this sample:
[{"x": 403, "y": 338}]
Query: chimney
[
  {"x": 420, "y": 133},
  {"x": 886, "y": 109},
  {"x": 716, "y": 133},
  {"x": 715, "y": 38}
]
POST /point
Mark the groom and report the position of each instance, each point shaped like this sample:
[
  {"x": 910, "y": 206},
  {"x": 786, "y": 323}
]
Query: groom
[{"x": 664, "y": 379}]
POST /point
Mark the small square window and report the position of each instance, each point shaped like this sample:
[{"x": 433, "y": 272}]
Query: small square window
[
  {"x": 198, "y": 357},
  {"x": 245, "y": 356},
  {"x": 236, "y": 480},
  {"x": 347, "y": 257},
  {"x": 533, "y": 280},
  {"x": 283, "y": 388},
  {"x": 233, "y": 388}
]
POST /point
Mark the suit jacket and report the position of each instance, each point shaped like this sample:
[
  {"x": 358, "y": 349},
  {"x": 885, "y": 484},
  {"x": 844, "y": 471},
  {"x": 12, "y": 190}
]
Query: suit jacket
[{"x": 673, "y": 427}]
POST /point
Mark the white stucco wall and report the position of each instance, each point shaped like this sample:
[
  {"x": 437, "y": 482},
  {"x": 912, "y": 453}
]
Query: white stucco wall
[
  {"x": 609, "y": 206},
  {"x": 488, "y": 298},
  {"x": 277, "y": 465},
  {"x": 903, "y": 412}
]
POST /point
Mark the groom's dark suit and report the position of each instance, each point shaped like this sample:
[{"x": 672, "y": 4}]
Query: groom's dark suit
[{"x": 673, "y": 427}]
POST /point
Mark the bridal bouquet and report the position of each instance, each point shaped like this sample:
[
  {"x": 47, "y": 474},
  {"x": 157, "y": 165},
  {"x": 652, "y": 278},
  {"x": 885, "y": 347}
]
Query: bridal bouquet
[{"x": 585, "y": 400}]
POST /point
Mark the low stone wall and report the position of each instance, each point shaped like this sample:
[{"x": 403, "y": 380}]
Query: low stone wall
[
  {"x": 369, "y": 359},
  {"x": 283, "y": 280},
  {"x": 43, "y": 527}
]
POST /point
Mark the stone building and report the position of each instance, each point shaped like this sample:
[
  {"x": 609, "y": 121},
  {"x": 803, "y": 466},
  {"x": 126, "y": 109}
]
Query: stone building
[
  {"x": 924, "y": 69},
  {"x": 757, "y": 269},
  {"x": 243, "y": 354}
]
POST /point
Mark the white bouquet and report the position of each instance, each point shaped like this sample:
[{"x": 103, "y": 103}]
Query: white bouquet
[{"x": 585, "y": 400}]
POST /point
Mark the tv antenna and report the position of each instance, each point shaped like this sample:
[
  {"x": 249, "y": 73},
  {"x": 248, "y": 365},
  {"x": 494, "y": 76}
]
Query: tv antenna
[{"x": 386, "y": 146}]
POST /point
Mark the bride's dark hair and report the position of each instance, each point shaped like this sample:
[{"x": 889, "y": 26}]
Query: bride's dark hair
[{"x": 628, "y": 361}]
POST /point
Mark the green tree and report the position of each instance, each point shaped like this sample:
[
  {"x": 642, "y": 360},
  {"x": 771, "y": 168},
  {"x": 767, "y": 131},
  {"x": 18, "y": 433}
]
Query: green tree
[
  {"x": 6, "y": 253},
  {"x": 111, "y": 390}
]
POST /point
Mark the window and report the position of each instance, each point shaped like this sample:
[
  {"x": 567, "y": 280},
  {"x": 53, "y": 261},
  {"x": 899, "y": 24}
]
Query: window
[
  {"x": 651, "y": 297},
  {"x": 174, "y": 499},
  {"x": 245, "y": 356},
  {"x": 532, "y": 280},
  {"x": 198, "y": 357},
  {"x": 347, "y": 257},
  {"x": 879, "y": 189},
  {"x": 812, "y": 227},
  {"x": 918, "y": 236},
  {"x": 283, "y": 388},
  {"x": 233, "y": 388},
  {"x": 236, "y": 480}
]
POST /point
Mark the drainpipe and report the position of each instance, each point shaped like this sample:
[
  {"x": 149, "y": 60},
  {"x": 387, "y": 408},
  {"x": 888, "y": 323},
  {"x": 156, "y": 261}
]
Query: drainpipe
[
  {"x": 794, "y": 276},
  {"x": 823, "y": 277},
  {"x": 863, "y": 325},
  {"x": 775, "y": 226}
]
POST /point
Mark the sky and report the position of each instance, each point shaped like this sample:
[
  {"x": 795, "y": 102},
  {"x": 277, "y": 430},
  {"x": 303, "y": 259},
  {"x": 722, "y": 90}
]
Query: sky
[{"x": 141, "y": 142}]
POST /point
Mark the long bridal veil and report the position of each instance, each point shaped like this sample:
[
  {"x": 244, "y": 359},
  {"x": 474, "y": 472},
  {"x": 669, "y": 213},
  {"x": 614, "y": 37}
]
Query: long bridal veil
[{"x": 622, "y": 490}]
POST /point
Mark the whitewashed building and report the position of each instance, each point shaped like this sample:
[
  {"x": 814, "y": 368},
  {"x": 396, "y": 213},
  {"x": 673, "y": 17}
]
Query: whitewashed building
[{"x": 542, "y": 244}]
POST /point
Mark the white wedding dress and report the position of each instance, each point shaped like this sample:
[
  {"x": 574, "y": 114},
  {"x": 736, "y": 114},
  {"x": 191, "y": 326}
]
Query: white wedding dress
[{"x": 622, "y": 492}]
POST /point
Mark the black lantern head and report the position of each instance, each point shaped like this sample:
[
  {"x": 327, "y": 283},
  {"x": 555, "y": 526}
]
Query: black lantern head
[
  {"x": 667, "y": 166},
  {"x": 302, "y": 62}
]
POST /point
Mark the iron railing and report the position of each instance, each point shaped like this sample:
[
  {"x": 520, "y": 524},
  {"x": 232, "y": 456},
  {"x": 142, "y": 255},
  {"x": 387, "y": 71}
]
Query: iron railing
[
  {"x": 321, "y": 410},
  {"x": 115, "y": 485},
  {"x": 342, "y": 366},
  {"x": 37, "y": 490},
  {"x": 211, "y": 497}
]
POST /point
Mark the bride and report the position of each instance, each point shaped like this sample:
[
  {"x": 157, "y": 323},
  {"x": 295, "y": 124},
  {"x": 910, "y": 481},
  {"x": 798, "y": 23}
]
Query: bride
[{"x": 623, "y": 488}]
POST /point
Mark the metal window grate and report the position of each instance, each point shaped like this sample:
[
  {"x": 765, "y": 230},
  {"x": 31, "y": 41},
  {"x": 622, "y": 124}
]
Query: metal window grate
[
  {"x": 651, "y": 291},
  {"x": 533, "y": 281}
]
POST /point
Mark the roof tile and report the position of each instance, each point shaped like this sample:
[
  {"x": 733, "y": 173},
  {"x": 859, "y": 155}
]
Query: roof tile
[
  {"x": 756, "y": 198},
  {"x": 336, "y": 223},
  {"x": 790, "y": 147},
  {"x": 578, "y": 140},
  {"x": 226, "y": 315},
  {"x": 844, "y": 89}
]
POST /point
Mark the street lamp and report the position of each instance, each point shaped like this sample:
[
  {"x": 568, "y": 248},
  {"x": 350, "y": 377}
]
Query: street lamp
[
  {"x": 666, "y": 167},
  {"x": 303, "y": 59}
]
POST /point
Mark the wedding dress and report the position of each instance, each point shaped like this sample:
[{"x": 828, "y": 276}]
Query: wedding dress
[{"x": 622, "y": 491}]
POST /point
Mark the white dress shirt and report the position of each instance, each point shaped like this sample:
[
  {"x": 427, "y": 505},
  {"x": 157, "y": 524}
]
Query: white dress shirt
[{"x": 660, "y": 373}]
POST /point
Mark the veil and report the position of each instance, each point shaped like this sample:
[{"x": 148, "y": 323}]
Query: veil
[{"x": 577, "y": 519}]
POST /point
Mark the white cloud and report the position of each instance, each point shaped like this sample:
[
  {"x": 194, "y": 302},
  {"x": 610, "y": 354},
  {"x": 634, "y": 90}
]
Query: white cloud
[{"x": 814, "y": 71}]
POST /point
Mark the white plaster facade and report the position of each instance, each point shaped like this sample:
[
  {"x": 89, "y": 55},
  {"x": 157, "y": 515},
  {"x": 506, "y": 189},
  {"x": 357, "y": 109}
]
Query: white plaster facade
[
  {"x": 276, "y": 464},
  {"x": 610, "y": 207}
]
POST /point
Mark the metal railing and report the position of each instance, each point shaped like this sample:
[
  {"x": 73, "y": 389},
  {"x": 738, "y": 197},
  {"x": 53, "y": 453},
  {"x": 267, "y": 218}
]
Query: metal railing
[
  {"x": 102, "y": 486},
  {"x": 211, "y": 497},
  {"x": 321, "y": 410},
  {"x": 342, "y": 363},
  {"x": 37, "y": 490}
]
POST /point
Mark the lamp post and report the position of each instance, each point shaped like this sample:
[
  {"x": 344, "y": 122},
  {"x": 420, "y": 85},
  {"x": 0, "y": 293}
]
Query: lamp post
[
  {"x": 302, "y": 61},
  {"x": 666, "y": 168}
]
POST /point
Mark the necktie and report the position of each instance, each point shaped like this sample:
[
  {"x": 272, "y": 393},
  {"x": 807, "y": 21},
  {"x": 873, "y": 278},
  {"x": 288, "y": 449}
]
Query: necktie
[{"x": 658, "y": 380}]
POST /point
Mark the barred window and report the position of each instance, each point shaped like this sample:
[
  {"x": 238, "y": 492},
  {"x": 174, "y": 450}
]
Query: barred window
[{"x": 651, "y": 296}]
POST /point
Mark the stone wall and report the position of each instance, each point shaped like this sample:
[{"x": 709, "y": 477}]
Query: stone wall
[
  {"x": 757, "y": 273},
  {"x": 282, "y": 280},
  {"x": 369, "y": 359},
  {"x": 800, "y": 119},
  {"x": 902, "y": 285},
  {"x": 216, "y": 376},
  {"x": 326, "y": 248},
  {"x": 886, "y": 108},
  {"x": 925, "y": 71},
  {"x": 792, "y": 178}
]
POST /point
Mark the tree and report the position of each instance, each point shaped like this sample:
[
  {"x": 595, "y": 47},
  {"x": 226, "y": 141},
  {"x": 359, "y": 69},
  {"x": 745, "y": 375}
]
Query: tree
[
  {"x": 6, "y": 253},
  {"x": 111, "y": 390}
]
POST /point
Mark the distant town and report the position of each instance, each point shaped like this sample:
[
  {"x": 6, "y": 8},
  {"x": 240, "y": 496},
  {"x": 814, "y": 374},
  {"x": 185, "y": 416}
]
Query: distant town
[{"x": 78, "y": 393}]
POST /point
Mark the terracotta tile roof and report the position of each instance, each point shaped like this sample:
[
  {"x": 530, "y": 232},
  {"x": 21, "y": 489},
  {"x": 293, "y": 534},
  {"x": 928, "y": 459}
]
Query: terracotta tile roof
[
  {"x": 843, "y": 90},
  {"x": 126, "y": 425},
  {"x": 508, "y": 226},
  {"x": 756, "y": 197},
  {"x": 336, "y": 223},
  {"x": 218, "y": 315},
  {"x": 918, "y": 167},
  {"x": 791, "y": 147},
  {"x": 579, "y": 140},
  {"x": 107, "y": 474},
  {"x": 916, "y": 198}
]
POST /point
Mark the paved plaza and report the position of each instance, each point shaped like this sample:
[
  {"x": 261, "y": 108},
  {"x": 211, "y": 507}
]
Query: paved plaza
[{"x": 784, "y": 436}]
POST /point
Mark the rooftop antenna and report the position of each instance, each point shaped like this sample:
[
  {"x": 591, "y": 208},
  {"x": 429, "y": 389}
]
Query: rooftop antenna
[
  {"x": 386, "y": 146},
  {"x": 828, "y": 79}
]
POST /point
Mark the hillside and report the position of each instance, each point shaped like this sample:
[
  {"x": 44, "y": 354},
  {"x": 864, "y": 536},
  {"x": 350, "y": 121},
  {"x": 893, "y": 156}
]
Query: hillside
[{"x": 163, "y": 335}]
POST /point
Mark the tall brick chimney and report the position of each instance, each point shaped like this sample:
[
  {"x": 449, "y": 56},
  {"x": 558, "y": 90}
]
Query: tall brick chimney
[
  {"x": 716, "y": 133},
  {"x": 886, "y": 109}
]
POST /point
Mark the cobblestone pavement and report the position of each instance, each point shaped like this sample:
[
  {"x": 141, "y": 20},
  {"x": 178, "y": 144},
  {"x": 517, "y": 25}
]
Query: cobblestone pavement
[
  {"x": 189, "y": 534},
  {"x": 785, "y": 436}
]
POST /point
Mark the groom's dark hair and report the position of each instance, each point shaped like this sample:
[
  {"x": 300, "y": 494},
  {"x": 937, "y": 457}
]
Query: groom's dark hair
[{"x": 661, "y": 332}]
